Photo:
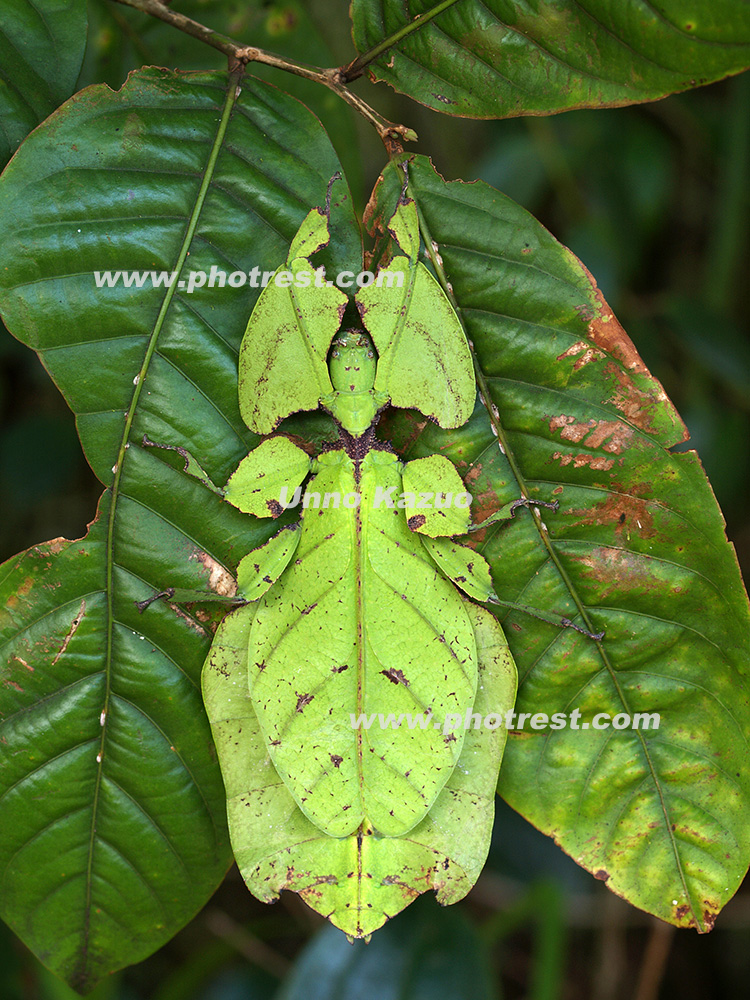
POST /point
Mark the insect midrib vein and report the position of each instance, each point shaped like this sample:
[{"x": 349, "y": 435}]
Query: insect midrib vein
[
  {"x": 232, "y": 96},
  {"x": 360, "y": 605}
]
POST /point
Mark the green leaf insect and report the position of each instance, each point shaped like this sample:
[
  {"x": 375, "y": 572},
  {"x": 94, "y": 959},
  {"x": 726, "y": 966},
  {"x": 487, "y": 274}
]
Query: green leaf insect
[{"x": 355, "y": 613}]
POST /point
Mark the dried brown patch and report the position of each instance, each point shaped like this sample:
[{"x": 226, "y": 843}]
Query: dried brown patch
[
  {"x": 596, "y": 462},
  {"x": 220, "y": 580},
  {"x": 615, "y": 569},
  {"x": 627, "y": 513},
  {"x": 56, "y": 545},
  {"x": 609, "y": 435},
  {"x": 607, "y": 332},
  {"x": 583, "y": 353},
  {"x": 71, "y": 631},
  {"x": 635, "y": 403}
]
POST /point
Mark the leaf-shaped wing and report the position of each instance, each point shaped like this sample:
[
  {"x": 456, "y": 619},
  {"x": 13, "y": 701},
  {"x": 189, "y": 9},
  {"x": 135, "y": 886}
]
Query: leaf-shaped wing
[
  {"x": 283, "y": 358},
  {"x": 423, "y": 358}
]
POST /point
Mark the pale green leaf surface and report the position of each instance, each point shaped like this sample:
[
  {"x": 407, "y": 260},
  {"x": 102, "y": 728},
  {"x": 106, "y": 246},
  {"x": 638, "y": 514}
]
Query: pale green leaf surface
[
  {"x": 637, "y": 548},
  {"x": 261, "y": 567},
  {"x": 357, "y": 883},
  {"x": 434, "y": 481},
  {"x": 255, "y": 487},
  {"x": 283, "y": 358},
  {"x": 463, "y": 566},
  {"x": 416, "y": 334},
  {"x": 500, "y": 58}
]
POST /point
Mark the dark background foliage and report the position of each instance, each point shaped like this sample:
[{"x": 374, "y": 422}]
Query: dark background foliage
[{"x": 654, "y": 200}]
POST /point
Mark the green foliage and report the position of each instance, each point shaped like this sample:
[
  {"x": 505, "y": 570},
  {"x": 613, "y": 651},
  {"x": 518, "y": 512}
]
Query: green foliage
[
  {"x": 41, "y": 49},
  {"x": 113, "y": 812},
  {"x": 145, "y": 146},
  {"x": 637, "y": 547},
  {"x": 497, "y": 59}
]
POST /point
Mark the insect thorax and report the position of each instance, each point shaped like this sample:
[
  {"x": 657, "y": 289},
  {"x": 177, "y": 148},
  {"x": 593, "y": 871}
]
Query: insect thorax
[{"x": 352, "y": 366}]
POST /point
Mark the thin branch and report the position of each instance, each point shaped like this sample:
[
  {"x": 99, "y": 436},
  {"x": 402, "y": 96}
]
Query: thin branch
[
  {"x": 391, "y": 134},
  {"x": 247, "y": 944}
]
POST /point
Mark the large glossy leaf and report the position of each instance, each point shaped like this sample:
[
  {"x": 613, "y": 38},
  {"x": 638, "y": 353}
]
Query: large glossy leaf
[
  {"x": 637, "y": 548},
  {"x": 41, "y": 49},
  {"x": 113, "y": 810},
  {"x": 499, "y": 58}
]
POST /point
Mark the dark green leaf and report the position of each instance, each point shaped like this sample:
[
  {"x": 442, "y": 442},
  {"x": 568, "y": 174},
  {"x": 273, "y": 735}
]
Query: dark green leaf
[
  {"x": 41, "y": 49},
  {"x": 637, "y": 548},
  {"x": 104, "y": 859},
  {"x": 500, "y": 58}
]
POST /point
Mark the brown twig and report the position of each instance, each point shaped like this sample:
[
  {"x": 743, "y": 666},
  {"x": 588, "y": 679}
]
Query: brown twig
[
  {"x": 251, "y": 947},
  {"x": 391, "y": 134},
  {"x": 654, "y": 960}
]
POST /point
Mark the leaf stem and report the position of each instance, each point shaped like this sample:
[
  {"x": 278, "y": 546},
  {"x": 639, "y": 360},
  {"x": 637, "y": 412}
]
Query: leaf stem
[
  {"x": 357, "y": 67},
  {"x": 391, "y": 134}
]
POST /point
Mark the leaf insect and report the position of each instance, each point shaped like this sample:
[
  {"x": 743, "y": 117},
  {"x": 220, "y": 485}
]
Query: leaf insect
[{"x": 349, "y": 699}]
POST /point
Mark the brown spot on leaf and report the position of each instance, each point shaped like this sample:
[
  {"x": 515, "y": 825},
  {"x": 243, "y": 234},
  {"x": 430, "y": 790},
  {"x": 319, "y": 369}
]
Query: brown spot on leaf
[
  {"x": 709, "y": 919},
  {"x": 302, "y": 700},
  {"x": 614, "y": 568},
  {"x": 336, "y": 760},
  {"x": 416, "y": 521},
  {"x": 395, "y": 676},
  {"x": 220, "y": 580},
  {"x": 602, "y": 874},
  {"x": 636, "y": 402},
  {"x": 583, "y": 353}
]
